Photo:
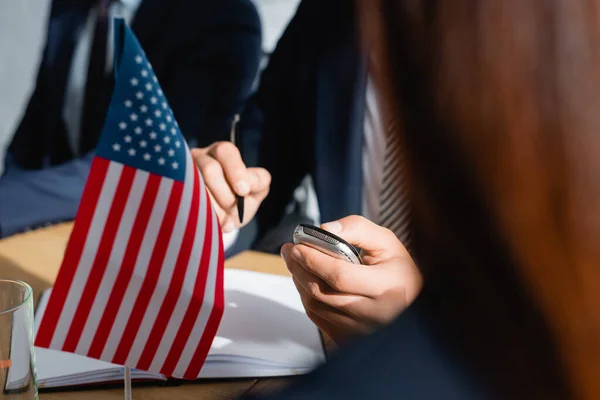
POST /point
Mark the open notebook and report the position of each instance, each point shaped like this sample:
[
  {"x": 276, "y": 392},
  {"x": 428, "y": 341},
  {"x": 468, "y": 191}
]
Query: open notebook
[{"x": 264, "y": 332}]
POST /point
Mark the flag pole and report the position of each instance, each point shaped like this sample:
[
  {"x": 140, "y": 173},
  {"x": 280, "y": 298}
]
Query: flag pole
[{"x": 127, "y": 383}]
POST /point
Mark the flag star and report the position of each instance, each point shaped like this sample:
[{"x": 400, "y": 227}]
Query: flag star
[
  {"x": 128, "y": 103},
  {"x": 171, "y": 152},
  {"x": 169, "y": 118},
  {"x": 143, "y": 143},
  {"x": 144, "y": 108},
  {"x": 164, "y": 105},
  {"x": 155, "y": 79},
  {"x": 122, "y": 125},
  {"x": 161, "y": 161},
  {"x": 153, "y": 135},
  {"x": 178, "y": 144},
  {"x": 160, "y": 92},
  {"x": 139, "y": 95},
  {"x": 147, "y": 157},
  {"x": 116, "y": 147},
  {"x": 173, "y": 131},
  {"x": 131, "y": 152},
  {"x": 148, "y": 87},
  {"x": 175, "y": 165},
  {"x": 133, "y": 117},
  {"x": 138, "y": 131},
  {"x": 153, "y": 100},
  {"x": 163, "y": 126},
  {"x": 149, "y": 122},
  {"x": 157, "y": 113},
  {"x": 166, "y": 139},
  {"x": 138, "y": 59},
  {"x": 157, "y": 148},
  {"x": 134, "y": 81},
  {"x": 177, "y": 124},
  {"x": 127, "y": 139},
  {"x": 144, "y": 73}
]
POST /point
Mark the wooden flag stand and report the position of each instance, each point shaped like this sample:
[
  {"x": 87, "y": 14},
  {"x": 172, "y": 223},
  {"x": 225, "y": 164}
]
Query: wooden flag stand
[{"x": 127, "y": 383}]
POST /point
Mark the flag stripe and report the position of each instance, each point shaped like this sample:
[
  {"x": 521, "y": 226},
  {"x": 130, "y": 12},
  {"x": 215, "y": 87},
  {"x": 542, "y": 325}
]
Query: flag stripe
[
  {"x": 85, "y": 214},
  {"x": 205, "y": 304},
  {"x": 116, "y": 257},
  {"x": 166, "y": 276},
  {"x": 195, "y": 302},
  {"x": 152, "y": 275},
  {"x": 101, "y": 261},
  {"x": 125, "y": 271},
  {"x": 139, "y": 271},
  {"x": 189, "y": 282},
  {"x": 90, "y": 250},
  {"x": 214, "y": 320},
  {"x": 174, "y": 291}
]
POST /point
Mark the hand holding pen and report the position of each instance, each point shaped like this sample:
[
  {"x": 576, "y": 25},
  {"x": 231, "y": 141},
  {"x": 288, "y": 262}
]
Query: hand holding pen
[{"x": 236, "y": 191}]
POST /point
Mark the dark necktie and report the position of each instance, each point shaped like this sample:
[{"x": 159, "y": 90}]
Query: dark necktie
[
  {"x": 394, "y": 209},
  {"x": 98, "y": 87}
]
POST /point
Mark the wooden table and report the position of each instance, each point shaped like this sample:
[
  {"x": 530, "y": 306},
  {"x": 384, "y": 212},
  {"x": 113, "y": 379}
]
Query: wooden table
[{"x": 35, "y": 258}]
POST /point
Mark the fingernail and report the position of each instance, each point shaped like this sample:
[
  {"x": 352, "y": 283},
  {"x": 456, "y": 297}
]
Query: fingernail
[
  {"x": 333, "y": 227},
  {"x": 242, "y": 188},
  {"x": 229, "y": 226},
  {"x": 284, "y": 252}
]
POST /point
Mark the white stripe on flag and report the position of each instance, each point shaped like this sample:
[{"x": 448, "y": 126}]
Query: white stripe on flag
[
  {"x": 168, "y": 265},
  {"x": 115, "y": 260},
  {"x": 188, "y": 288},
  {"x": 88, "y": 255},
  {"x": 207, "y": 304},
  {"x": 141, "y": 265}
]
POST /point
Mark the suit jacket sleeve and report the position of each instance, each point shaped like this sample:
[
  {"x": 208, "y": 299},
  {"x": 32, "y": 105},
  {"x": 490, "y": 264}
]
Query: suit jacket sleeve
[
  {"x": 216, "y": 67},
  {"x": 278, "y": 123},
  {"x": 34, "y": 198}
]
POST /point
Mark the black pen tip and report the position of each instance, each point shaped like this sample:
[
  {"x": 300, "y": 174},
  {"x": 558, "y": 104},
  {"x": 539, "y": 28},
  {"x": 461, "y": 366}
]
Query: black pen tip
[{"x": 240, "y": 207}]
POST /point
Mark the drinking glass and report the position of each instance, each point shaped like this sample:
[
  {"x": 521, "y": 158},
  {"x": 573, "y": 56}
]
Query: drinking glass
[{"x": 17, "y": 359}]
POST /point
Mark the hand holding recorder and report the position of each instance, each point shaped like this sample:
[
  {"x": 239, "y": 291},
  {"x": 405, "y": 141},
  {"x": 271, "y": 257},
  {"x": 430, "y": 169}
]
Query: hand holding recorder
[{"x": 346, "y": 293}]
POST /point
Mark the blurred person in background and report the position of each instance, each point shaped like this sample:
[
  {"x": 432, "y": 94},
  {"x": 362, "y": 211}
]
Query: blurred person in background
[
  {"x": 22, "y": 34},
  {"x": 499, "y": 107},
  {"x": 205, "y": 55}
]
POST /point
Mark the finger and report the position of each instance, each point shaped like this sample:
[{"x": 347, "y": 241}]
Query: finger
[
  {"x": 228, "y": 155},
  {"x": 344, "y": 322},
  {"x": 335, "y": 333},
  {"x": 225, "y": 218},
  {"x": 260, "y": 180},
  {"x": 367, "y": 235},
  {"x": 353, "y": 305},
  {"x": 215, "y": 181},
  {"x": 340, "y": 275}
]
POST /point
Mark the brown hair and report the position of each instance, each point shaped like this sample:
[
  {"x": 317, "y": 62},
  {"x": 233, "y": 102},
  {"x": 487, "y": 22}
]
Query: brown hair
[{"x": 500, "y": 103}]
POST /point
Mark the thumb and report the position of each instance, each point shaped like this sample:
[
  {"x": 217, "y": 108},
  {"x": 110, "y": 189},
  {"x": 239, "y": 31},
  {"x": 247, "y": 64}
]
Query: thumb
[{"x": 370, "y": 237}]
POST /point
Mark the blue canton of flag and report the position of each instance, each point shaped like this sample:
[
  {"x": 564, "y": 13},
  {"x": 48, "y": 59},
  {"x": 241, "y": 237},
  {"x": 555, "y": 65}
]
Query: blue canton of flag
[{"x": 141, "y": 130}]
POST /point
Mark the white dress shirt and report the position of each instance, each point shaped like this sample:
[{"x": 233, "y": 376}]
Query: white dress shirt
[
  {"x": 23, "y": 25},
  {"x": 75, "y": 91},
  {"x": 373, "y": 154}
]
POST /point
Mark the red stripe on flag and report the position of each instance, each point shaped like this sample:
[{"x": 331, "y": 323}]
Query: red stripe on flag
[
  {"x": 127, "y": 266},
  {"x": 152, "y": 274},
  {"x": 213, "y": 321},
  {"x": 73, "y": 253},
  {"x": 101, "y": 261},
  {"x": 191, "y": 314},
  {"x": 170, "y": 301}
]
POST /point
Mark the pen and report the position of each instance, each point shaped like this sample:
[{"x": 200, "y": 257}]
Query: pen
[{"x": 235, "y": 139}]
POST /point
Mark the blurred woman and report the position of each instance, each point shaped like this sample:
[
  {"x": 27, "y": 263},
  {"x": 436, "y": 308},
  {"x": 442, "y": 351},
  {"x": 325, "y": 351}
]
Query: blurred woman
[{"x": 499, "y": 103}]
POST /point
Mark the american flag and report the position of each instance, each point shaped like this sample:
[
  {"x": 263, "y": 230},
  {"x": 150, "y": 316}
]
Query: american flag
[{"x": 141, "y": 283}]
